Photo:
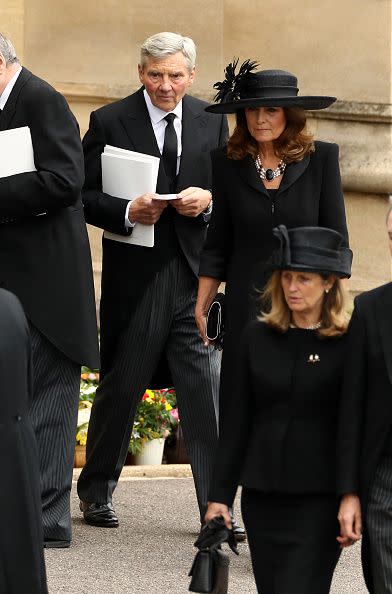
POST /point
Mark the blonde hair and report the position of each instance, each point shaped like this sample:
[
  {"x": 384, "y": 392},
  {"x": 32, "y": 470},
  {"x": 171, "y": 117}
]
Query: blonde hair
[
  {"x": 334, "y": 319},
  {"x": 292, "y": 146}
]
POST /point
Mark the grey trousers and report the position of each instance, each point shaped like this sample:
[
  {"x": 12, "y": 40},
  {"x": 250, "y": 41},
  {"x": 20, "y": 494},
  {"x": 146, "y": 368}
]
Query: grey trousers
[
  {"x": 53, "y": 413},
  {"x": 379, "y": 526},
  {"x": 162, "y": 322}
]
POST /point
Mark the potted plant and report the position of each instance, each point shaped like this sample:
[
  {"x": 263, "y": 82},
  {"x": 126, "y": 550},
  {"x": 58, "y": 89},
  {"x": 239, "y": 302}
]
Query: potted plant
[{"x": 153, "y": 423}]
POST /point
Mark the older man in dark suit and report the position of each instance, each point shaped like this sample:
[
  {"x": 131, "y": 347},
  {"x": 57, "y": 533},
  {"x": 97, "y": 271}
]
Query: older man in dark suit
[
  {"x": 365, "y": 441},
  {"x": 45, "y": 260},
  {"x": 148, "y": 294}
]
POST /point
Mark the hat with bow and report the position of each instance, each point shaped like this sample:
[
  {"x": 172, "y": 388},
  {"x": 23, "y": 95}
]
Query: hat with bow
[{"x": 311, "y": 249}]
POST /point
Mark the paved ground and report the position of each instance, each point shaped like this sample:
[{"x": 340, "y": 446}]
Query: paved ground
[{"x": 151, "y": 552}]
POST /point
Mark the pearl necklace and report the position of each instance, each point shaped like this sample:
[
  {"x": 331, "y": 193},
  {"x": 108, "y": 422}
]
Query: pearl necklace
[
  {"x": 311, "y": 327},
  {"x": 269, "y": 174}
]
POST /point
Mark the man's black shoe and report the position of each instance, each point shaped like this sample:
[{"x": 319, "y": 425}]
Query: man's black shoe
[
  {"x": 239, "y": 531},
  {"x": 99, "y": 514}
]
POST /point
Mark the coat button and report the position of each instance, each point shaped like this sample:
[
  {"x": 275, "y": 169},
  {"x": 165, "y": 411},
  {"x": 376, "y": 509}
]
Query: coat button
[{"x": 18, "y": 418}]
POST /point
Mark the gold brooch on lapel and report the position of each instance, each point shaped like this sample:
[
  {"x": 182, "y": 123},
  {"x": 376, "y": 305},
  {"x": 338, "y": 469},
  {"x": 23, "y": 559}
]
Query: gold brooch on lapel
[{"x": 314, "y": 359}]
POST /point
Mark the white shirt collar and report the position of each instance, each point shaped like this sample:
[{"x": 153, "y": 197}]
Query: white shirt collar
[
  {"x": 7, "y": 91},
  {"x": 157, "y": 114}
]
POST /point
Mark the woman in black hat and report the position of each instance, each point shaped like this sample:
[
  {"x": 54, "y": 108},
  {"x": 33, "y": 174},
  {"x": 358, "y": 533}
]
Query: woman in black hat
[
  {"x": 271, "y": 173},
  {"x": 278, "y": 437}
]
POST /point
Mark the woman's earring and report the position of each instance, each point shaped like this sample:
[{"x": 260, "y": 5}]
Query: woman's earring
[{"x": 327, "y": 291}]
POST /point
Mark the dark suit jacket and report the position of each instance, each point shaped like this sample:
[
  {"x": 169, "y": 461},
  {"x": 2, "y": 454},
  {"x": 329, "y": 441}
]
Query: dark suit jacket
[
  {"x": 22, "y": 567},
  {"x": 279, "y": 428},
  {"x": 45, "y": 260},
  {"x": 366, "y": 412},
  {"x": 128, "y": 269}
]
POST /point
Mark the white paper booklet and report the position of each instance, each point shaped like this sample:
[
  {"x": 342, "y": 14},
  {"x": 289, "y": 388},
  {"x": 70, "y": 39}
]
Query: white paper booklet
[
  {"x": 127, "y": 175},
  {"x": 16, "y": 152}
]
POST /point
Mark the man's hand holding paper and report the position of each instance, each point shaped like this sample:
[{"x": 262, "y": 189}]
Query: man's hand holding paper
[
  {"x": 192, "y": 201},
  {"x": 146, "y": 210}
]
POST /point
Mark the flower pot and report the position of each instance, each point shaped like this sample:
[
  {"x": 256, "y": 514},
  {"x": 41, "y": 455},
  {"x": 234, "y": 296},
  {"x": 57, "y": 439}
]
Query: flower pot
[
  {"x": 79, "y": 456},
  {"x": 151, "y": 453}
]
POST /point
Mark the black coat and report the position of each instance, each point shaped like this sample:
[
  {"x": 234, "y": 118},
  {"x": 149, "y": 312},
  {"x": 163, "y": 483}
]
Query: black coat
[
  {"x": 22, "y": 566},
  {"x": 279, "y": 429},
  {"x": 366, "y": 411},
  {"x": 128, "y": 269},
  {"x": 45, "y": 260},
  {"x": 239, "y": 240}
]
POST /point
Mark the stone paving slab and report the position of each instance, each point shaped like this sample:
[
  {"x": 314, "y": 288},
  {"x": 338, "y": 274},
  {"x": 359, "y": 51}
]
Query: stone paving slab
[{"x": 152, "y": 550}]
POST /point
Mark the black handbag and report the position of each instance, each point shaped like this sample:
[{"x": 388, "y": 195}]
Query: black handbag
[
  {"x": 210, "y": 568},
  {"x": 210, "y": 572},
  {"x": 215, "y": 321}
]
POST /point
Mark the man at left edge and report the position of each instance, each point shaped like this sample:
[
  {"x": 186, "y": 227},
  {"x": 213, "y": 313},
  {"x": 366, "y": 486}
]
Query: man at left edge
[{"x": 45, "y": 260}]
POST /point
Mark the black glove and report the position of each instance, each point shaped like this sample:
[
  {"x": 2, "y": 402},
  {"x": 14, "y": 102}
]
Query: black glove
[{"x": 213, "y": 534}]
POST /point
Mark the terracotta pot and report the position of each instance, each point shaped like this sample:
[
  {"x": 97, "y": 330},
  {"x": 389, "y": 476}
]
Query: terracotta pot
[{"x": 79, "y": 456}]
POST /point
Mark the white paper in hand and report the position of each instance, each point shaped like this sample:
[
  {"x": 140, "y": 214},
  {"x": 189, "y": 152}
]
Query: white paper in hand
[
  {"x": 127, "y": 175},
  {"x": 16, "y": 150}
]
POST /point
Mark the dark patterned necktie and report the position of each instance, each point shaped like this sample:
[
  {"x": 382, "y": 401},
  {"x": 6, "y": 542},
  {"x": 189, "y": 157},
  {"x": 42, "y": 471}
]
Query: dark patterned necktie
[{"x": 169, "y": 152}]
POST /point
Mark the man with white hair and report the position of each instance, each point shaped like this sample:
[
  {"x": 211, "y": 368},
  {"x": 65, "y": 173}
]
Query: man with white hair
[
  {"x": 45, "y": 260},
  {"x": 148, "y": 294}
]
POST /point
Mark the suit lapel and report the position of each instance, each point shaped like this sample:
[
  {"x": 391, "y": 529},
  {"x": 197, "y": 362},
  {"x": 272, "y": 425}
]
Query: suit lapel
[
  {"x": 191, "y": 139},
  {"x": 248, "y": 172},
  {"x": 10, "y": 106},
  {"x": 292, "y": 172},
  {"x": 137, "y": 124},
  {"x": 384, "y": 320}
]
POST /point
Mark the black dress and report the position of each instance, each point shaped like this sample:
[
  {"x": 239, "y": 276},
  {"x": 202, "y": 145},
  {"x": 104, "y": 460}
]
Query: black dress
[
  {"x": 239, "y": 239},
  {"x": 278, "y": 439}
]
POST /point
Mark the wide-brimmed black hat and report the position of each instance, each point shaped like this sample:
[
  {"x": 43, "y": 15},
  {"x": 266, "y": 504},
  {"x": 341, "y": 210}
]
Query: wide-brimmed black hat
[
  {"x": 266, "y": 88},
  {"x": 311, "y": 249}
]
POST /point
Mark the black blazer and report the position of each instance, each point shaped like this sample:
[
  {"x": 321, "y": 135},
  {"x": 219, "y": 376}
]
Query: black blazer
[
  {"x": 366, "y": 408},
  {"x": 128, "y": 269},
  {"x": 22, "y": 566},
  {"x": 45, "y": 260},
  {"x": 279, "y": 428}
]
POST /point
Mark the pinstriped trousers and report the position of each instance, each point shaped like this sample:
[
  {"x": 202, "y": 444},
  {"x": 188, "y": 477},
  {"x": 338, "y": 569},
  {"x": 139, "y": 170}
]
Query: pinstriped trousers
[
  {"x": 162, "y": 322},
  {"x": 53, "y": 413},
  {"x": 379, "y": 526}
]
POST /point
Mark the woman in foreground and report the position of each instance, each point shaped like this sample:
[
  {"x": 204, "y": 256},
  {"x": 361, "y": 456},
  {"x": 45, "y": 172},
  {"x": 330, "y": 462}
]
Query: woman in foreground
[{"x": 278, "y": 437}]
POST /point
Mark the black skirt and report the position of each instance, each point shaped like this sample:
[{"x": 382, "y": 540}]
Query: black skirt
[{"x": 292, "y": 541}]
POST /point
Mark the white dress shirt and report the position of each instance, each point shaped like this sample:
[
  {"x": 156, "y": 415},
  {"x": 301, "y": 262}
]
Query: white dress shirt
[
  {"x": 158, "y": 122},
  {"x": 7, "y": 91}
]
